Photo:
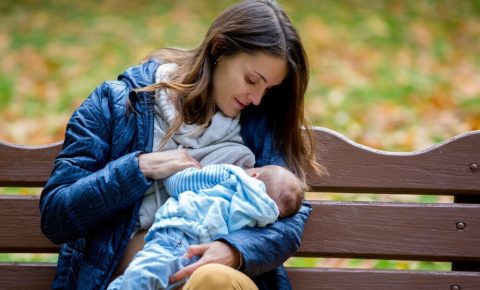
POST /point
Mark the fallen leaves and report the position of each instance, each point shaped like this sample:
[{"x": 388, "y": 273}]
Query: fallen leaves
[{"x": 394, "y": 76}]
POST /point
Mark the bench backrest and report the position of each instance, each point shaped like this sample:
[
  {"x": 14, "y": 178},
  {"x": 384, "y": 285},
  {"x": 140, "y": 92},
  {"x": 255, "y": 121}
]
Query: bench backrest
[{"x": 372, "y": 230}]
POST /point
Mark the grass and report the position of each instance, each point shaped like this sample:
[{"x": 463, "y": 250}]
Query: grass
[
  {"x": 365, "y": 56},
  {"x": 28, "y": 258},
  {"x": 368, "y": 264}
]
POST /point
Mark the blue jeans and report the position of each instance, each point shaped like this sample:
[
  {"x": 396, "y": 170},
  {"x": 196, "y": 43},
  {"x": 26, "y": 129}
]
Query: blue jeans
[{"x": 161, "y": 257}]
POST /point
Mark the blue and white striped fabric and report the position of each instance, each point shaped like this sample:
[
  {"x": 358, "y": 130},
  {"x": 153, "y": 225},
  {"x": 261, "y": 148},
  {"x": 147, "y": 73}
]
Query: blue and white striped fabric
[
  {"x": 192, "y": 179},
  {"x": 213, "y": 201}
]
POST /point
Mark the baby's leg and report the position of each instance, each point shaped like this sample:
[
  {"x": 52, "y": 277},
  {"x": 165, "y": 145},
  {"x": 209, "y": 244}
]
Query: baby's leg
[{"x": 152, "y": 266}]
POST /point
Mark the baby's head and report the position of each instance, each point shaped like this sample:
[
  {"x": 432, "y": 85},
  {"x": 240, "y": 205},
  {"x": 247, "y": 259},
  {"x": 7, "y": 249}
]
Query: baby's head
[{"x": 282, "y": 186}]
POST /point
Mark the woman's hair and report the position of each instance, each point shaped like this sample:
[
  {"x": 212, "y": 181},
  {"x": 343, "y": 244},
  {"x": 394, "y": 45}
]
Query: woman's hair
[{"x": 250, "y": 26}]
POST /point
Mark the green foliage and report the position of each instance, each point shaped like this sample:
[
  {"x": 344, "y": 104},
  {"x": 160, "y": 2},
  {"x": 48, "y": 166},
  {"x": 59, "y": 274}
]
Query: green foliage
[
  {"x": 364, "y": 263},
  {"x": 365, "y": 57},
  {"x": 28, "y": 258},
  {"x": 303, "y": 262},
  {"x": 20, "y": 191},
  {"x": 6, "y": 91}
]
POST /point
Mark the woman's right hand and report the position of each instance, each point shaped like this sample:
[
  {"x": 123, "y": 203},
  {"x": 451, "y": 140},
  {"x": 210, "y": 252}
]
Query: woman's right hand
[
  {"x": 214, "y": 252},
  {"x": 159, "y": 165}
]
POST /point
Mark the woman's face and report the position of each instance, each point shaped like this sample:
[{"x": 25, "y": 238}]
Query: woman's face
[{"x": 243, "y": 79}]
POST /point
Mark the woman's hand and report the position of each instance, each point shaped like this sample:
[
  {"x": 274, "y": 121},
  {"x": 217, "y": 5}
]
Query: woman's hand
[
  {"x": 214, "y": 252},
  {"x": 159, "y": 165}
]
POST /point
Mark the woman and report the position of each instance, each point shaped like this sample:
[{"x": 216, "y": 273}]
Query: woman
[{"x": 251, "y": 60}]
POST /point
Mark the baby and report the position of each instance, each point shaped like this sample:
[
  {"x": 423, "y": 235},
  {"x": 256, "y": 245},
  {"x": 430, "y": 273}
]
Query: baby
[{"x": 206, "y": 204}]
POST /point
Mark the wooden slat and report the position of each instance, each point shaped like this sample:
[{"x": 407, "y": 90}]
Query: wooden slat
[
  {"x": 466, "y": 266},
  {"x": 369, "y": 230},
  {"x": 20, "y": 226},
  {"x": 26, "y": 166},
  {"x": 354, "y": 279},
  {"x": 39, "y": 277},
  {"x": 442, "y": 169},
  {"x": 393, "y": 231},
  {"x": 26, "y": 276}
]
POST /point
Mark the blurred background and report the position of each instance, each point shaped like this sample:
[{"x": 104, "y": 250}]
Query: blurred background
[{"x": 394, "y": 75}]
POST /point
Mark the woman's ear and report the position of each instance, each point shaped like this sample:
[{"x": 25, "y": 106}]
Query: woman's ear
[{"x": 217, "y": 47}]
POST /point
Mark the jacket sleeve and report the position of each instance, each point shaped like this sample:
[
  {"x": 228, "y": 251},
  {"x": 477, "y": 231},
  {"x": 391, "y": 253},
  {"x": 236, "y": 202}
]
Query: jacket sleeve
[
  {"x": 87, "y": 186},
  {"x": 269, "y": 247}
]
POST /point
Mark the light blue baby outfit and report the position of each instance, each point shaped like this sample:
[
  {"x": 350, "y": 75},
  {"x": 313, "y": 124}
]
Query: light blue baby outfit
[{"x": 205, "y": 204}]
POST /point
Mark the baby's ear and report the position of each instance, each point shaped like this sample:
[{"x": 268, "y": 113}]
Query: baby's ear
[{"x": 254, "y": 175}]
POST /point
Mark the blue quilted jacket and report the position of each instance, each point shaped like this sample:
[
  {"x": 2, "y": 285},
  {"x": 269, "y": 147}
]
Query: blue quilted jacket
[{"x": 91, "y": 200}]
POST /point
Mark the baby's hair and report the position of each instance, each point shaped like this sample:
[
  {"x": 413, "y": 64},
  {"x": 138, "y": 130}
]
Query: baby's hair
[{"x": 284, "y": 188}]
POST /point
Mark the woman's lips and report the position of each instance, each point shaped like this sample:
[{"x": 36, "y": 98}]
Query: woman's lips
[{"x": 242, "y": 105}]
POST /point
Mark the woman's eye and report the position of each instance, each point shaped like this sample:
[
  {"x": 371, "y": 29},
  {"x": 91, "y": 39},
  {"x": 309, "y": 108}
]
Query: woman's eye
[{"x": 249, "y": 81}]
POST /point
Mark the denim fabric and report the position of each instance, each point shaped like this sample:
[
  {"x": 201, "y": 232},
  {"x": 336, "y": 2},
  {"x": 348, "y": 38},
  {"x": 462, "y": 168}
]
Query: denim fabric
[
  {"x": 161, "y": 257},
  {"x": 90, "y": 202}
]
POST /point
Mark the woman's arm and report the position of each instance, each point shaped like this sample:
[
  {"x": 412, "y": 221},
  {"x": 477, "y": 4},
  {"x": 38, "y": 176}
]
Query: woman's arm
[
  {"x": 94, "y": 175},
  {"x": 261, "y": 249},
  {"x": 86, "y": 186},
  {"x": 264, "y": 249}
]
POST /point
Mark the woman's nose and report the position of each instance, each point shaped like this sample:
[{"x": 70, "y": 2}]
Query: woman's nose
[{"x": 255, "y": 97}]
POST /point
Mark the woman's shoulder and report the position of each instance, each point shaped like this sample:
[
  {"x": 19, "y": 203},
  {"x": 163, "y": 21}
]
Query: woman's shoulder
[
  {"x": 141, "y": 75},
  {"x": 117, "y": 91}
]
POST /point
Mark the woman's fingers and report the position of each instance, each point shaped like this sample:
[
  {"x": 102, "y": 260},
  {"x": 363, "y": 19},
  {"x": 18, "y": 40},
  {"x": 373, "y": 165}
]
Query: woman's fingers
[
  {"x": 214, "y": 252},
  {"x": 194, "y": 161},
  {"x": 192, "y": 251},
  {"x": 186, "y": 272},
  {"x": 197, "y": 250},
  {"x": 158, "y": 165}
]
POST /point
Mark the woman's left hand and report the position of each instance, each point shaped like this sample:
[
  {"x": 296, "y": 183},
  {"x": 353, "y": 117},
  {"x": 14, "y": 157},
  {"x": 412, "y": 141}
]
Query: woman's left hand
[{"x": 214, "y": 252}]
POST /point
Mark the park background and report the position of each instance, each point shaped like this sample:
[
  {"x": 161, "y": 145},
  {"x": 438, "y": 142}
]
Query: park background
[{"x": 393, "y": 75}]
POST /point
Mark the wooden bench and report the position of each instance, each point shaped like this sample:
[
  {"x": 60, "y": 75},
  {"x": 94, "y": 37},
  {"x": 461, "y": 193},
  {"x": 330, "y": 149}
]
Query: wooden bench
[{"x": 371, "y": 230}]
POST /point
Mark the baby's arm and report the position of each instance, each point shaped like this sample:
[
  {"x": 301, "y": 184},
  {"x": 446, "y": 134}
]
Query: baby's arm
[{"x": 193, "y": 179}]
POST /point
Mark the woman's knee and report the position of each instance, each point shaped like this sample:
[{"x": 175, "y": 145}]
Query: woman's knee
[{"x": 218, "y": 276}]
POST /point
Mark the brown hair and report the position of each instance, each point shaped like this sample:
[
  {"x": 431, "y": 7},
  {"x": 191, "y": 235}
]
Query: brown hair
[{"x": 249, "y": 26}]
